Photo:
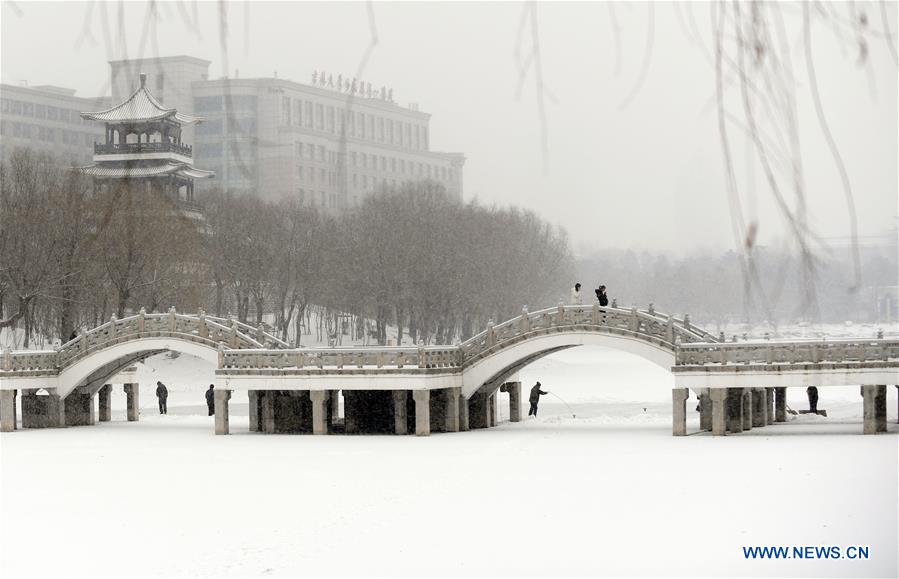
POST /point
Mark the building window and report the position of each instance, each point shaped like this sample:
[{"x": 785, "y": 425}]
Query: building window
[
  {"x": 320, "y": 117},
  {"x": 383, "y": 163},
  {"x": 321, "y": 176},
  {"x": 425, "y": 137},
  {"x": 311, "y": 174},
  {"x": 308, "y": 115},
  {"x": 355, "y": 180},
  {"x": 321, "y": 153},
  {"x": 393, "y": 164},
  {"x": 330, "y": 119},
  {"x": 360, "y": 117},
  {"x": 298, "y": 113},
  {"x": 381, "y": 129},
  {"x": 300, "y": 172},
  {"x": 353, "y": 158}
]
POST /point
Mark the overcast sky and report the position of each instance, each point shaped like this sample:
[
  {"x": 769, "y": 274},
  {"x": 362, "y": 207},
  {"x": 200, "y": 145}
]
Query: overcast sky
[{"x": 646, "y": 175}]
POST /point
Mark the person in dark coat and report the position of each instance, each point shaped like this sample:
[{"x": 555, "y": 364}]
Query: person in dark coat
[
  {"x": 210, "y": 400},
  {"x": 601, "y": 296},
  {"x": 812, "y": 399},
  {"x": 162, "y": 394},
  {"x": 536, "y": 393}
]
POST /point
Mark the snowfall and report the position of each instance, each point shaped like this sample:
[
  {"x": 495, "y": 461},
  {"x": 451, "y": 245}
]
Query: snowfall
[{"x": 596, "y": 485}]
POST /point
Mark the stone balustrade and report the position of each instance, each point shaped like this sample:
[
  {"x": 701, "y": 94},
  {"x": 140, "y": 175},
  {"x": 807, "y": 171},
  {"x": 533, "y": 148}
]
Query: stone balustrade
[{"x": 792, "y": 352}]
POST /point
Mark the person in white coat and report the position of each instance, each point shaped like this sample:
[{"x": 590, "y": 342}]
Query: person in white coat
[{"x": 576, "y": 294}]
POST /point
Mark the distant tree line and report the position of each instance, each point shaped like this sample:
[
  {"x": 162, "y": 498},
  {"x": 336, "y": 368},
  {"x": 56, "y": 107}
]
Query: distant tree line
[
  {"x": 411, "y": 263},
  {"x": 709, "y": 286}
]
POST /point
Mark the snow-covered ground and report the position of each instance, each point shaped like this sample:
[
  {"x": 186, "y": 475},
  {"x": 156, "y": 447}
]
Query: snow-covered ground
[{"x": 600, "y": 488}]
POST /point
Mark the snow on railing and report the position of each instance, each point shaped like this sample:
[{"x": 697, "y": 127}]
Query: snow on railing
[{"x": 792, "y": 352}]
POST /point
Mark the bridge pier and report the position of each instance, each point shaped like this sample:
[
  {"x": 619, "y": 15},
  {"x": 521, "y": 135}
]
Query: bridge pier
[
  {"x": 679, "y": 411},
  {"x": 422, "y": 412},
  {"x": 463, "y": 414},
  {"x": 780, "y": 405},
  {"x": 759, "y": 407},
  {"x": 437, "y": 408},
  {"x": 321, "y": 400},
  {"x": 335, "y": 407},
  {"x": 735, "y": 410},
  {"x": 267, "y": 411},
  {"x": 42, "y": 411},
  {"x": 132, "y": 401},
  {"x": 769, "y": 413},
  {"x": 255, "y": 410},
  {"x": 705, "y": 411},
  {"x": 479, "y": 408},
  {"x": 8, "y": 410},
  {"x": 746, "y": 394},
  {"x": 79, "y": 409},
  {"x": 719, "y": 411},
  {"x": 875, "y": 408},
  {"x": 514, "y": 390},
  {"x": 104, "y": 403},
  {"x": 221, "y": 398},
  {"x": 452, "y": 408},
  {"x": 400, "y": 412},
  {"x": 492, "y": 412}
]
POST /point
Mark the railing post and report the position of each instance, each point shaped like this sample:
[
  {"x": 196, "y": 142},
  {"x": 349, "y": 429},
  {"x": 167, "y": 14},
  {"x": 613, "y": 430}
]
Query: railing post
[
  {"x": 421, "y": 354},
  {"x": 7, "y": 359},
  {"x": 172, "y": 319},
  {"x": 234, "y": 342},
  {"x": 113, "y": 320},
  {"x": 260, "y": 334},
  {"x": 669, "y": 330},
  {"x": 340, "y": 360},
  {"x": 595, "y": 315},
  {"x": 651, "y": 310},
  {"x": 687, "y": 321},
  {"x": 141, "y": 320},
  {"x": 202, "y": 330},
  {"x": 560, "y": 320},
  {"x": 721, "y": 336},
  {"x": 221, "y": 353},
  {"x": 614, "y": 302},
  {"x": 525, "y": 325},
  {"x": 634, "y": 321},
  {"x": 491, "y": 334}
]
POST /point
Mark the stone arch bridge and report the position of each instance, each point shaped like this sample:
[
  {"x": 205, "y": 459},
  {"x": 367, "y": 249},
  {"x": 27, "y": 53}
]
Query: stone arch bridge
[{"x": 439, "y": 388}]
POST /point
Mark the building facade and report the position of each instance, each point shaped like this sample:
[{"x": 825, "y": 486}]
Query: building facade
[
  {"x": 47, "y": 118},
  {"x": 325, "y": 145}
]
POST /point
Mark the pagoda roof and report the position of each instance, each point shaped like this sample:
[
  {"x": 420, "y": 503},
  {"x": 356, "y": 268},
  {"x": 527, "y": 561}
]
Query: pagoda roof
[
  {"x": 140, "y": 107},
  {"x": 104, "y": 171}
]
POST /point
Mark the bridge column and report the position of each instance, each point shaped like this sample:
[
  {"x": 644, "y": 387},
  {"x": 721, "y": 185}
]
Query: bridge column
[
  {"x": 874, "y": 409},
  {"x": 321, "y": 399},
  {"x": 104, "y": 402},
  {"x": 719, "y": 410},
  {"x": 679, "y": 411},
  {"x": 422, "y": 412},
  {"x": 221, "y": 398},
  {"x": 735, "y": 410},
  {"x": 132, "y": 401},
  {"x": 400, "y": 412},
  {"x": 493, "y": 410},
  {"x": 350, "y": 412},
  {"x": 335, "y": 406},
  {"x": 514, "y": 390},
  {"x": 255, "y": 410},
  {"x": 769, "y": 413},
  {"x": 479, "y": 407},
  {"x": 759, "y": 407},
  {"x": 705, "y": 411},
  {"x": 746, "y": 393},
  {"x": 452, "y": 408},
  {"x": 79, "y": 409},
  {"x": 268, "y": 411},
  {"x": 7, "y": 410},
  {"x": 463, "y": 414},
  {"x": 780, "y": 405},
  {"x": 46, "y": 411}
]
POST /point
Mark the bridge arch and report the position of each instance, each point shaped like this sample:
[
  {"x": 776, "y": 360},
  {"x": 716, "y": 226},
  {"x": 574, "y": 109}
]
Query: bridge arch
[
  {"x": 488, "y": 372},
  {"x": 93, "y": 370}
]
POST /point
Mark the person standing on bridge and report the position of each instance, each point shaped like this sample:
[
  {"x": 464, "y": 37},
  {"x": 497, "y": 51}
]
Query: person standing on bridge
[
  {"x": 601, "y": 296},
  {"x": 162, "y": 394},
  {"x": 576, "y": 294},
  {"x": 536, "y": 393},
  {"x": 210, "y": 400}
]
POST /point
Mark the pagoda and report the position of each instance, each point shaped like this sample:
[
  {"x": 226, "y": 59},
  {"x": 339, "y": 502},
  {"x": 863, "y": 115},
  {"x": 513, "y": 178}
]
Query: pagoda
[{"x": 143, "y": 145}]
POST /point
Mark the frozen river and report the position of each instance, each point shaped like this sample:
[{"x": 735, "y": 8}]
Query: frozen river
[{"x": 607, "y": 491}]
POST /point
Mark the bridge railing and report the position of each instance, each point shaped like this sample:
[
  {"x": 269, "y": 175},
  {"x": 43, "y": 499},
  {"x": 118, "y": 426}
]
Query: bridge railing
[
  {"x": 650, "y": 323},
  {"x": 342, "y": 358},
  {"x": 802, "y": 352}
]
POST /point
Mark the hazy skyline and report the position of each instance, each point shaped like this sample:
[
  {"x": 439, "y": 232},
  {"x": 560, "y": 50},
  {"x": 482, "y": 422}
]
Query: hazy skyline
[{"x": 643, "y": 174}]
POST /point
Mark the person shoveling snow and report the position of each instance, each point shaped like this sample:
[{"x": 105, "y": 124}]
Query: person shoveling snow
[{"x": 534, "y": 399}]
